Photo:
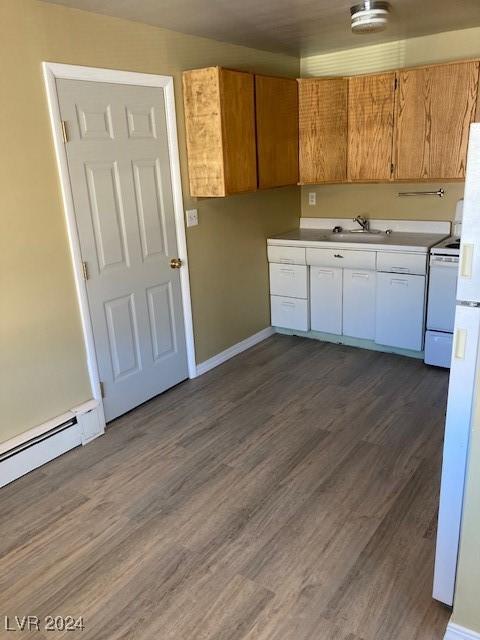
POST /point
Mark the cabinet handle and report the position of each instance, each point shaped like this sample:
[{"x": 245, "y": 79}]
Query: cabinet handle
[
  {"x": 287, "y": 261},
  {"x": 325, "y": 272},
  {"x": 337, "y": 255},
  {"x": 466, "y": 261},
  {"x": 403, "y": 283},
  {"x": 360, "y": 276},
  {"x": 460, "y": 343},
  {"x": 401, "y": 269},
  {"x": 289, "y": 305},
  {"x": 289, "y": 272}
]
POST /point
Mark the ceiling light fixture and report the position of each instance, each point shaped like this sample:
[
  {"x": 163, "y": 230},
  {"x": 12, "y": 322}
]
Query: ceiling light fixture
[{"x": 369, "y": 16}]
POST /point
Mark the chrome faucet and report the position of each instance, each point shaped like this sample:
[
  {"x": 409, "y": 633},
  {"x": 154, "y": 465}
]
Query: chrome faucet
[{"x": 363, "y": 222}]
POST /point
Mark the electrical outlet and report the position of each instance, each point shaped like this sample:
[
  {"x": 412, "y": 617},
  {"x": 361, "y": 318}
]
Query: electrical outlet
[
  {"x": 312, "y": 198},
  {"x": 192, "y": 217}
]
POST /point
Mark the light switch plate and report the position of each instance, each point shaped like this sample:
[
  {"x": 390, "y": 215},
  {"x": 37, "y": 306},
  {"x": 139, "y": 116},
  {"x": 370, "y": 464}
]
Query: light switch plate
[
  {"x": 312, "y": 198},
  {"x": 192, "y": 217}
]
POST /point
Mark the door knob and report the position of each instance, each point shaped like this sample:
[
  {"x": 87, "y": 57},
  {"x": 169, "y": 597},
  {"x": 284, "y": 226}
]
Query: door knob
[{"x": 175, "y": 263}]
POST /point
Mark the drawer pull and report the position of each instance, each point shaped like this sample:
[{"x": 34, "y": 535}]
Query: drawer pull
[
  {"x": 287, "y": 272},
  {"x": 401, "y": 269},
  {"x": 402, "y": 283},
  {"x": 460, "y": 343},
  {"x": 287, "y": 261},
  {"x": 337, "y": 255},
  {"x": 325, "y": 272},
  {"x": 466, "y": 261},
  {"x": 360, "y": 276},
  {"x": 289, "y": 305}
]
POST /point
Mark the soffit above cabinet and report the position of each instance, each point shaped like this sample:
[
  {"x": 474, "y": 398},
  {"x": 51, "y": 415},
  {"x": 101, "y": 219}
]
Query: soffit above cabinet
[{"x": 297, "y": 28}]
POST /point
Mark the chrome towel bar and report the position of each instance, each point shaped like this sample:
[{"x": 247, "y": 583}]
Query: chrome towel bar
[{"x": 440, "y": 193}]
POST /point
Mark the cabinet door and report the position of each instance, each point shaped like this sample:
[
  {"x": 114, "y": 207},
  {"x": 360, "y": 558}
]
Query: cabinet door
[
  {"x": 326, "y": 299},
  {"x": 400, "y": 311},
  {"x": 370, "y": 127},
  {"x": 220, "y": 131},
  {"x": 323, "y": 130},
  {"x": 276, "y": 106},
  {"x": 237, "y": 104},
  {"x": 435, "y": 106},
  {"x": 359, "y": 304}
]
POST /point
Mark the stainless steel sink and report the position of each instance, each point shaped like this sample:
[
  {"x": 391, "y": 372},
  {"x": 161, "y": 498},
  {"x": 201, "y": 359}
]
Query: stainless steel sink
[{"x": 356, "y": 236}]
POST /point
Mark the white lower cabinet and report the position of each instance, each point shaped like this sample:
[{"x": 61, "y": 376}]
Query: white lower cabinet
[
  {"x": 400, "y": 310},
  {"x": 359, "y": 303},
  {"x": 377, "y": 296},
  {"x": 289, "y": 313},
  {"x": 326, "y": 299}
]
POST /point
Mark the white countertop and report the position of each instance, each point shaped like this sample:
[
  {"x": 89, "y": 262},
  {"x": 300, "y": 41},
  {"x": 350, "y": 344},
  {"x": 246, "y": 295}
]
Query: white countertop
[{"x": 396, "y": 241}]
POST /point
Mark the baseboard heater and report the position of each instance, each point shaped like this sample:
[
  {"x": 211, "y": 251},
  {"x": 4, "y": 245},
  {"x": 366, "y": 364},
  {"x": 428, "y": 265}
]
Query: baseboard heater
[{"x": 38, "y": 450}]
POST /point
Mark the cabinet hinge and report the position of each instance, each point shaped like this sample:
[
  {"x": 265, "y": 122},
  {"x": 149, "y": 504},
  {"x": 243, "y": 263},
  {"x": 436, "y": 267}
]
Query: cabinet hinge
[
  {"x": 85, "y": 270},
  {"x": 102, "y": 389},
  {"x": 64, "y": 131}
]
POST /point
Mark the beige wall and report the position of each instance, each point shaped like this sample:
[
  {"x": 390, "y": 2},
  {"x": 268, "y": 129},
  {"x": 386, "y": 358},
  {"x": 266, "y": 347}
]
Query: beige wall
[
  {"x": 43, "y": 370},
  {"x": 381, "y": 200}
]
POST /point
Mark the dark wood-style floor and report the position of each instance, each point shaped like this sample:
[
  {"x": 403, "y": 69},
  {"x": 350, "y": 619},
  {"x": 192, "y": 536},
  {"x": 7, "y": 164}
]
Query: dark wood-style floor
[{"x": 289, "y": 494}]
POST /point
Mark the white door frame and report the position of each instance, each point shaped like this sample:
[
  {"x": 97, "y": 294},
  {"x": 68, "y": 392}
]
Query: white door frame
[{"x": 52, "y": 71}]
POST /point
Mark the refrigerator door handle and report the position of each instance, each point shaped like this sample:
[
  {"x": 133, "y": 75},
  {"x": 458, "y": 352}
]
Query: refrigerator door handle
[
  {"x": 466, "y": 260},
  {"x": 460, "y": 344}
]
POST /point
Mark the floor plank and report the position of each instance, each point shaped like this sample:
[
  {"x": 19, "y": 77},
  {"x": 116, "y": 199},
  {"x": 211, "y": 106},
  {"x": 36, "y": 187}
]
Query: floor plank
[{"x": 290, "y": 494}]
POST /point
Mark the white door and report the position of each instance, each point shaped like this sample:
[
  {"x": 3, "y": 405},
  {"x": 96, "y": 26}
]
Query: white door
[
  {"x": 462, "y": 392},
  {"x": 468, "y": 288},
  {"x": 359, "y": 303},
  {"x": 119, "y": 169},
  {"x": 400, "y": 309},
  {"x": 326, "y": 299}
]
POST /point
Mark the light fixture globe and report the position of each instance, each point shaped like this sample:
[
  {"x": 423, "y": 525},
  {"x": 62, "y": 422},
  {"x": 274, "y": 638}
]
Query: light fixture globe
[{"x": 369, "y": 16}]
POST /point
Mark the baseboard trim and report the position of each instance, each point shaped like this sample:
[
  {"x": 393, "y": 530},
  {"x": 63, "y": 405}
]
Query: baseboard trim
[
  {"x": 234, "y": 350},
  {"x": 456, "y": 632}
]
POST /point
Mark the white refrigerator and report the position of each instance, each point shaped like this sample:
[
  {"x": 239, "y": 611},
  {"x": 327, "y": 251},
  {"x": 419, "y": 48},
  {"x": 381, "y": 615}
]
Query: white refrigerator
[{"x": 464, "y": 382}]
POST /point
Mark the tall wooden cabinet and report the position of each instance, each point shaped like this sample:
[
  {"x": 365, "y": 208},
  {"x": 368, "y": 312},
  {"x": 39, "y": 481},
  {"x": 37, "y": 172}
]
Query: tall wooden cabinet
[
  {"x": 434, "y": 108},
  {"x": 323, "y": 104},
  {"x": 370, "y": 127},
  {"x": 276, "y": 108},
  {"x": 220, "y": 129}
]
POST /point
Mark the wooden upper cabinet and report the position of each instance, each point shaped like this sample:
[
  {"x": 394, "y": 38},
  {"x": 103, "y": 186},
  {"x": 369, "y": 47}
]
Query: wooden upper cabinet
[
  {"x": 435, "y": 107},
  {"x": 323, "y": 107},
  {"x": 370, "y": 127},
  {"x": 220, "y": 129},
  {"x": 276, "y": 104}
]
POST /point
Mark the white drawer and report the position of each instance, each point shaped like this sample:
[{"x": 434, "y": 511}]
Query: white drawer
[
  {"x": 286, "y": 255},
  {"x": 288, "y": 280},
  {"x": 289, "y": 313},
  {"x": 413, "y": 263},
  {"x": 343, "y": 258}
]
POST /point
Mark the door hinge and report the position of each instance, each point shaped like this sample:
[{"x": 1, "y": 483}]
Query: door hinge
[
  {"x": 85, "y": 270},
  {"x": 102, "y": 389},
  {"x": 64, "y": 131}
]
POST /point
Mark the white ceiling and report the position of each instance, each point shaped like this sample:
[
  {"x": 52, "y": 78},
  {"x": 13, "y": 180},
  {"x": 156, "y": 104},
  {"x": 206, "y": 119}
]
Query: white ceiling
[{"x": 297, "y": 27}]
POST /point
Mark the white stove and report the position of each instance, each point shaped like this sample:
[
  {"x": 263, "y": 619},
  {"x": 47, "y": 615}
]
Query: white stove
[
  {"x": 442, "y": 294},
  {"x": 448, "y": 247}
]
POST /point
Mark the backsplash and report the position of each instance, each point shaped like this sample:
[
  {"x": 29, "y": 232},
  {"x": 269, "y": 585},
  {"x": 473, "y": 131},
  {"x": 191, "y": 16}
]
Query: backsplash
[{"x": 381, "y": 201}]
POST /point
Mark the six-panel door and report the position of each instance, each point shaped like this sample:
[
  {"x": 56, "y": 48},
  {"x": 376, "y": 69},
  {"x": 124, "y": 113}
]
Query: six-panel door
[{"x": 119, "y": 168}]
